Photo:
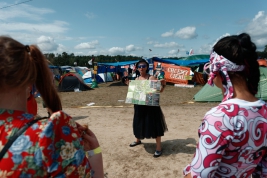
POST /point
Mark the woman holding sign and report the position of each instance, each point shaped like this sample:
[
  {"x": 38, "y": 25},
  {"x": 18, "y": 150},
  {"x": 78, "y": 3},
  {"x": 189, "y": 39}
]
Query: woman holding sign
[{"x": 148, "y": 121}]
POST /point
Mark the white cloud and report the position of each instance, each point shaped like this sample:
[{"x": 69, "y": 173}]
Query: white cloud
[
  {"x": 224, "y": 35},
  {"x": 167, "y": 45},
  {"x": 168, "y": 34},
  {"x": 151, "y": 42},
  {"x": 88, "y": 45},
  {"x": 79, "y": 53},
  {"x": 257, "y": 29},
  {"x": 205, "y": 49},
  {"x": 173, "y": 52},
  {"x": 23, "y": 11},
  {"x": 186, "y": 33},
  {"x": 95, "y": 53},
  {"x": 61, "y": 48},
  {"x": 131, "y": 47},
  {"x": 55, "y": 27},
  {"x": 47, "y": 44},
  {"x": 116, "y": 51},
  {"x": 90, "y": 15}
]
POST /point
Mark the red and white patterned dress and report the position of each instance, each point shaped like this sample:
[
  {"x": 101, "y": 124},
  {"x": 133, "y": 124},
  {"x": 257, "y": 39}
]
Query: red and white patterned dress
[
  {"x": 49, "y": 148},
  {"x": 232, "y": 141}
]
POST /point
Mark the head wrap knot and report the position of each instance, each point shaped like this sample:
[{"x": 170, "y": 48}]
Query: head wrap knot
[{"x": 219, "y": 64}]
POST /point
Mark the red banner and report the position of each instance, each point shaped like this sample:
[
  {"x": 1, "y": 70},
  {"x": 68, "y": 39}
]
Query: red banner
[{"x": 173, "y": 73}]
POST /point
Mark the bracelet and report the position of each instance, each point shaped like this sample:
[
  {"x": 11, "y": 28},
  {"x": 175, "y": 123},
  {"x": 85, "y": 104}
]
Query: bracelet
[{"x": 94, "y": 152}]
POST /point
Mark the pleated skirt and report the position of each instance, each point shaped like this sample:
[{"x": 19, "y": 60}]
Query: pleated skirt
[{"x": 148, "y": 122}]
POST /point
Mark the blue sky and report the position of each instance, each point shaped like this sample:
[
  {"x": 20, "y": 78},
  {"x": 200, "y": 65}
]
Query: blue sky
[{"x": 132, "y": 27}]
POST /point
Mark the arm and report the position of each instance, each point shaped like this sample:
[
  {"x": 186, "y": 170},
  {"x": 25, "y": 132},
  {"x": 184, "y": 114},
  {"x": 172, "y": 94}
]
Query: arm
[
  {"x": 91, "y": 143},
  {"x": 210, "y": 148},
  {"x": 127, "y": 81},
  {"x": 163, "y": 82},
  {"x": 62, "y": 147}
]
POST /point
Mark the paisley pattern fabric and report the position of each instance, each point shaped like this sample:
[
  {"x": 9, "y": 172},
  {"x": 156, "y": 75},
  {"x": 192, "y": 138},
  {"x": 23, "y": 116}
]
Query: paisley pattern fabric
[
  {"x": 49, "y": 148},
  {"x": 232, "y": 141},
  {"x": 221, "y": 65}
]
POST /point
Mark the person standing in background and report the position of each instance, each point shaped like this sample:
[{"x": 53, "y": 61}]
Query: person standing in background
[{"x": 148, "y": 121}]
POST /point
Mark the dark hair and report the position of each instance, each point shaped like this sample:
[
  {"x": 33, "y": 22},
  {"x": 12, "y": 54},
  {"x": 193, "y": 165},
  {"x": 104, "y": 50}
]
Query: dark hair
[
  {"x": 242, "y": 51},
  {"x": 22, "y": 66},
  {"x": 142, "y": 60}
]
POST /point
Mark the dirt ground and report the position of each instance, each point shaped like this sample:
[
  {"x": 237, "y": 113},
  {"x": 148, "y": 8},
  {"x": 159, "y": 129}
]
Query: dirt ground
[
  {"x": 114, "y": 94},
  {"x": 111, "y": 121}
]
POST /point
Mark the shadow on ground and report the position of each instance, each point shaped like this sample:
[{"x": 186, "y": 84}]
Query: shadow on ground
[
  {"x": 176, "y": 146},
  {"x": 79, "y": 117}
]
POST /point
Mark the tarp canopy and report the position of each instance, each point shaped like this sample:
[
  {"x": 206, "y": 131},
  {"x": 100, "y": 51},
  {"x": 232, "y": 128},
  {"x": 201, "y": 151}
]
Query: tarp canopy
[
  {"x": 196, "y": 57},
  {"x": 53, "y": 67},
  {"x": 209, "y": 93},
  {"x": 124, "y": 63},
  {"x": 184, "y": 61}
]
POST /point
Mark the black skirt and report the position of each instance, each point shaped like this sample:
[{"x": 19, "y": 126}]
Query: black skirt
[{"x": 148, "y": 122}]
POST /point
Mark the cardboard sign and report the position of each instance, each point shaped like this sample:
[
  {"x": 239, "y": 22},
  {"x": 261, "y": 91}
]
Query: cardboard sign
[{"x": 173, "y": 73}]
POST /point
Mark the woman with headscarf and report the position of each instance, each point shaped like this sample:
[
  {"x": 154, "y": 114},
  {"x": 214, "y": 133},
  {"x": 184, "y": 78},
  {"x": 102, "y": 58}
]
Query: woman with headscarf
[{"x": 232, "y": 136}]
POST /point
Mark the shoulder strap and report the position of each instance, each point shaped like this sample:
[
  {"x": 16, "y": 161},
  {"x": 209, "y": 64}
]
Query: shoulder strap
[{"x": 17, "y": 134}]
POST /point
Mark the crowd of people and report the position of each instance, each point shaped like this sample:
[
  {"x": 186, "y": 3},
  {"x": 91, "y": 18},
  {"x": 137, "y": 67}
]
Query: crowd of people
[{"x": 232, "y": 135}]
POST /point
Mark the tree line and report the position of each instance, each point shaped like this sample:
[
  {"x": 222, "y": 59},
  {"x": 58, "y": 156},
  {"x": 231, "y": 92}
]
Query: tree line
[{"x": 66, "y": 59}]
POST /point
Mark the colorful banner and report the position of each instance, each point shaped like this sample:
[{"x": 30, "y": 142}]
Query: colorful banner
[{"x": 173, "y": 73}]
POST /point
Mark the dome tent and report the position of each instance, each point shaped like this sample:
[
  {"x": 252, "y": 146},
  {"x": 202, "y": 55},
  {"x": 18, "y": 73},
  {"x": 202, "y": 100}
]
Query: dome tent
[
  {"x": 209, "y": 93},
  {"x": 72, "y": 81}
]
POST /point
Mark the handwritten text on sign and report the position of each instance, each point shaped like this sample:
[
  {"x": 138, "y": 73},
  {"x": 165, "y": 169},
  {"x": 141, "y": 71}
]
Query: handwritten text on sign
[{"x": 175, "y": 74}]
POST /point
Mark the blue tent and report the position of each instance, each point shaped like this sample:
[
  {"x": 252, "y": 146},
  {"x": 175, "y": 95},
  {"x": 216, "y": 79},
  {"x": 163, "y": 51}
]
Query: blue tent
[
  {"x": 185, "y": 61},
  {"x": 53, "y": 67},
  {"x": 124, "y": 63},
  {"x": 105, "y": 67}
]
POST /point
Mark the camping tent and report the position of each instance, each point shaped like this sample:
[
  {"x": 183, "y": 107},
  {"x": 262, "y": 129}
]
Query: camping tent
[
  {"x": 194, "y": 60},
  {"x": 209, "y": 93},
  {"x": 72, "y": 81}
]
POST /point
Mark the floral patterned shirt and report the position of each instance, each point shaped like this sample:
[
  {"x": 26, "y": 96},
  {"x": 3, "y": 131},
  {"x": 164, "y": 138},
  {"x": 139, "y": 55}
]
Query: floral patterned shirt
[
  {"x": 49, "y": 148},
  {"x": 232, "y": 141}
]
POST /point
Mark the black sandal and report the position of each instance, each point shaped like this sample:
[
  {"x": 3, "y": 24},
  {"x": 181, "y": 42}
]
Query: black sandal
[{"x": 135, "y": 143}]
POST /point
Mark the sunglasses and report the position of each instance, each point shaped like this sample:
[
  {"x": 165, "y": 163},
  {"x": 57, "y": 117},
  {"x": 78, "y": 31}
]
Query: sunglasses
[{"x": 142, "y": 66}]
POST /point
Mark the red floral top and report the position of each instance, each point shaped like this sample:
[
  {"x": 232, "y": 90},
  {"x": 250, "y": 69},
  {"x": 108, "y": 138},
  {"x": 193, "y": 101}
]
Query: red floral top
[{"x": 49, "y": 148}]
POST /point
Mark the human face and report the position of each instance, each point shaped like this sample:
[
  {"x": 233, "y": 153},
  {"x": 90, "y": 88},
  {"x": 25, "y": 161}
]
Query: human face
[{"x": 142, "y": 67}]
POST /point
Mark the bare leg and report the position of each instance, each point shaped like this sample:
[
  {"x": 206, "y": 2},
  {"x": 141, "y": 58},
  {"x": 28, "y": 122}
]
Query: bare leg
[{"x": 158, "y": 142}]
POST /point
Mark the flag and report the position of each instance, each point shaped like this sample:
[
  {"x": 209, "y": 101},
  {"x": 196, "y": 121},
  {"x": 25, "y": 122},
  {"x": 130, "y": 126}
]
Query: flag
[
  {"x": 90, "y": 62},
  {"x": 150, "y": 49},
  {"x": 191, "y": 52}
]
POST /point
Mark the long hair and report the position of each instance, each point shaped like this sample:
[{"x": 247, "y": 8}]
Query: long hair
[
  {"x": 21, "y": 66},
  {"x": 242, "y": 51}
]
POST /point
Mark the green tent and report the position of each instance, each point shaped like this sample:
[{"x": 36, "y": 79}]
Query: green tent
[
  {"x": 196, "y": 57},
  {"x": 209, "y": 93}
]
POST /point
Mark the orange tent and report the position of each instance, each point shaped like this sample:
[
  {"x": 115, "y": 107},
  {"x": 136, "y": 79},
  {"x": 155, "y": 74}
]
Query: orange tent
[{"x": 262, "y": 62}]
